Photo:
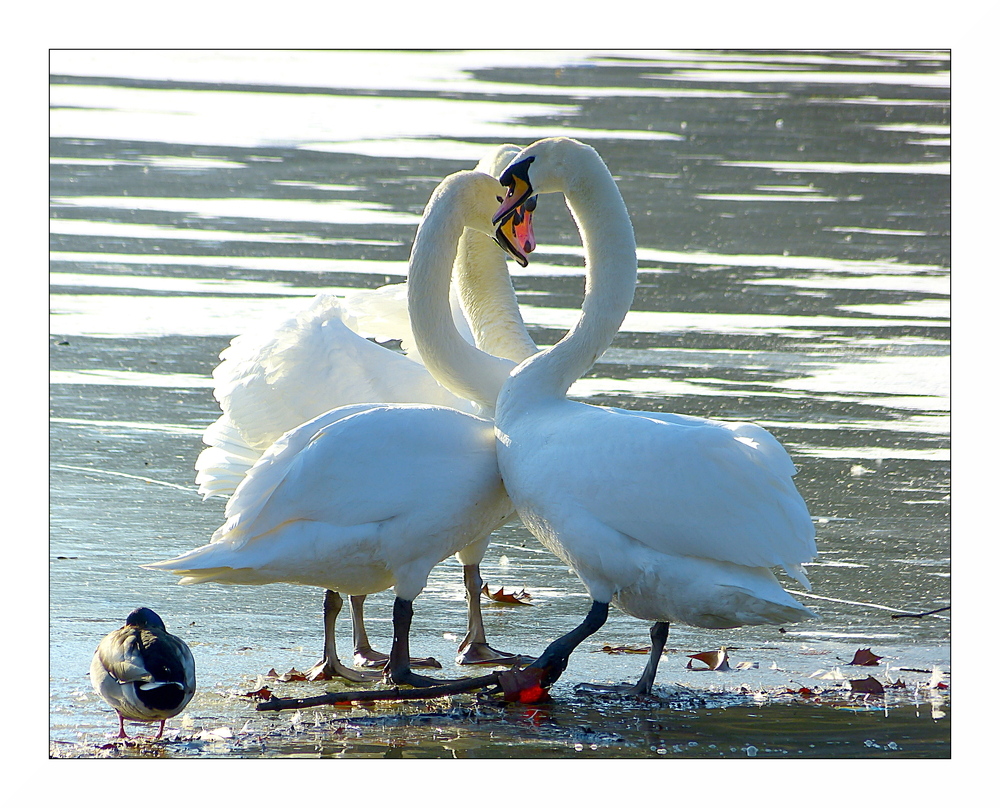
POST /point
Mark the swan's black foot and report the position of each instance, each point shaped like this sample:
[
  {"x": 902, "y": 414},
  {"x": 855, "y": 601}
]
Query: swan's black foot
[
  {"x": 368, "y": 658},
  {"x": 481, "y": 653},
  {"x": 334, "y": 669}
]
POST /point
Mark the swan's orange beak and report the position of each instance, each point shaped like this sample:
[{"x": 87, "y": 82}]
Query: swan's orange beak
[
  {"x": 516, "y": 235},
  {"x": 515, "y": 177}
]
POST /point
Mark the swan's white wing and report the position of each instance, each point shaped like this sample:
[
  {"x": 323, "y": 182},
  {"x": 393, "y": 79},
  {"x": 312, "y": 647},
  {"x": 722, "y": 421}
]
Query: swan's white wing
[
  {"x": 680, "y": 486},
  {"x": 361, "y": 465},
  {"x": 382, "y": 315},
  {"x": 272, "y": 379},
  {"x": 255, "y": 490},
  {"x": 358, "y": 500}
]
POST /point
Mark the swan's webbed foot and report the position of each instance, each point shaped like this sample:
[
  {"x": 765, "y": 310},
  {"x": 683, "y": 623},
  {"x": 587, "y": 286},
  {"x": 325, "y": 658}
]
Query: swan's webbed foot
[
  {"x": 644, "y": 687},
  {"x": 638, "y": 689},
  {"x": 367, "y": 658},
  {"x": 328, "y": 668},
  {"x": 481, "y": 653}
]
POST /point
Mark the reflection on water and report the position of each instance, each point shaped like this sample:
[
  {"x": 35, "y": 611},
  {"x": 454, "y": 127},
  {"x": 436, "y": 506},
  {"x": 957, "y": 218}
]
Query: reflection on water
[{"x": 792, "y": 212}]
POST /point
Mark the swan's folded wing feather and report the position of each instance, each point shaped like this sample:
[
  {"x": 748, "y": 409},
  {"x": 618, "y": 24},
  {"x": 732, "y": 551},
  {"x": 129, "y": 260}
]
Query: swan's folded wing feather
[
  {"x": 363, "y": 464},
  {"x": 691, "y": 487}
]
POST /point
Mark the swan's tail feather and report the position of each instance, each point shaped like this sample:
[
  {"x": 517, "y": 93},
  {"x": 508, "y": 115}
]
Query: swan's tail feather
[
  {"x": 223, "y": 465},
  {"x": 797, "y": 572},
  {"x": 198, "y": 566}
]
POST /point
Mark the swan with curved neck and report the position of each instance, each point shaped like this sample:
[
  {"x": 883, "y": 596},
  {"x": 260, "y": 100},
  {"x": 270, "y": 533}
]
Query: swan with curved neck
[
  {"x": 671, "y": 518},
  {"x": 274, "y": 378},
  {"x": 371, "y": 496}
]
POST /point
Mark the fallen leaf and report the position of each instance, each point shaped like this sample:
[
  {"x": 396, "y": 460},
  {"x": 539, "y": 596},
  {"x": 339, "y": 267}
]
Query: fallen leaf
[
  {"x": 716, "y": 660},
  {"x": 806, "y": 692},
  {"x": 868, "y": 687},
  {"x": 514, "y": 598},
  {"x": 864, "y": 656},
  {"x": 626, "y": 649},
  {"x": 263, "y": 694},
  {"x": 292, "y": 676}
]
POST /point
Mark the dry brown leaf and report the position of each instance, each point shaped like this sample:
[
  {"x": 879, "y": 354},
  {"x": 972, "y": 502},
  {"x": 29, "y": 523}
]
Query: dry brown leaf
[
  {"x": 864, "y": 656},
  {"x": 868, "y": 687},
  {"x": 513, "y": 598},
  {"x": 716, "y": 660},
  {"x": 263, "y": 694},
  {"x": 626, "y": 649},
  {"x": 292, "y": 676}
]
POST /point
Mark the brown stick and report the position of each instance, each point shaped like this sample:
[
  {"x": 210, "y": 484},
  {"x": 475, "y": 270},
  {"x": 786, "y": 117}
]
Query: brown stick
[{"x": 448, "y": 689}]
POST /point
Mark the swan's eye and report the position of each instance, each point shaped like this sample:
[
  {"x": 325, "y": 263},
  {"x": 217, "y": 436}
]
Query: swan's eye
[{"x": 499, "y": 199}]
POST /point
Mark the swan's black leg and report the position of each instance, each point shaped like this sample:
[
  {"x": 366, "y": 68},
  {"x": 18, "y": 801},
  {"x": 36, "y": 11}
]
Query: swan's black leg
[
  {"x": 658, "y": 640},
  {"x": 554, "y": 659},
  {"x": 364, "y": 655},
  {"x": 474, "y": 649},
  {"x": 330, "y": 665},
  {"x": 397, "y": 669}
]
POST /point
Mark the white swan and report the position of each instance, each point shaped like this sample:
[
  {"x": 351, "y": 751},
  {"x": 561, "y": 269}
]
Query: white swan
[
  {"x": 274, "y": 378},
  {"x": 670, "y": 518},
  {"x": 367, "y": 497},
  {"x": 144, "y": 672}
]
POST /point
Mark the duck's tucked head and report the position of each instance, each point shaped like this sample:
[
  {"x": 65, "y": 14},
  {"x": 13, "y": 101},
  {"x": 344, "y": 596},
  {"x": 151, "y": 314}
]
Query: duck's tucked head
[
  {"x": 145, "y": 618},
  {"x": 546, "y": 166}
]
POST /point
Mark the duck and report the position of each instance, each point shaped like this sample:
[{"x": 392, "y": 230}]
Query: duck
[
  {"x": 670, "y": 518},
  {"x": 367, "y": 497},
  {"x": 277, "y": 377},
  {"x": 144, "y": 672}
]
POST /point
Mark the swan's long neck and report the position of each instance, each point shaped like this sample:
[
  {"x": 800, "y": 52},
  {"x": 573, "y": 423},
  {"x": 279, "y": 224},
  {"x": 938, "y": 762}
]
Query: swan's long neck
[
  {"x": 611, "y": 266},
  {"x": 459, "y": 366},
  {"x": 488, "y": 298}
]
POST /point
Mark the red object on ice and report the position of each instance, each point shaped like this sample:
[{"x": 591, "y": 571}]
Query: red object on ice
[{"x": 532, "y": 694}]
